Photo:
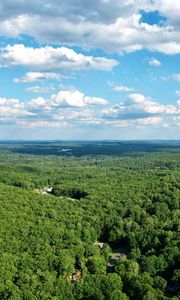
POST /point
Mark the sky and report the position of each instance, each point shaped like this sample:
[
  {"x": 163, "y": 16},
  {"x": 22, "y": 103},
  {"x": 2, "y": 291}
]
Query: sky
[{"x": 89, "y": 69}]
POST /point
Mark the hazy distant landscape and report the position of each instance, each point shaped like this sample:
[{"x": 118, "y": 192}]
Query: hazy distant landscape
[{"x": 82, "y": 148}]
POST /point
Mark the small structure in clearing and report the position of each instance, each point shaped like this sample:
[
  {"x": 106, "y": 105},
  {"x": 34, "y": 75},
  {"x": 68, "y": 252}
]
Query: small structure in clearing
[
  {"x": 99, "y": 244},
  {"x": 46, "y": 190}
]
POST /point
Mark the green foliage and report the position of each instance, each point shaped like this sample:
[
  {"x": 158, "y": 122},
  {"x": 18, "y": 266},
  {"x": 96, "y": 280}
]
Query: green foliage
[{"x": 128, "y": 203}]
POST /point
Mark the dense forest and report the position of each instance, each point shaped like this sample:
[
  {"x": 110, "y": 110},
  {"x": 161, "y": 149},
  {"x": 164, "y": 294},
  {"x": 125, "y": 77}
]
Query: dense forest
[{"x": 94, "y": 221}]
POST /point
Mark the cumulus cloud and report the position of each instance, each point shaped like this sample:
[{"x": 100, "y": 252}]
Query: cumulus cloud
[
  {"x": 73, "y": 23},
  {"x": 74, "y": 108},
  {"x": 122, "y": 88},
  {"x": 97, "y": 11},
  {"x": 38, "y": 104},
  {"x": 69, "y": 104},
  {"x": 170, "y": 9},
  {"x": 137, "y": 106},
  {"x": 154, "y": 62},
  {"x": 49, "y": 58},
  {"x": 74, "y": 98},
  {"x": 169, "y": 48},
  {"x": 12, "y": 108},
  {"x": 30, "y": 77},
  {"x": 65, "y": 107}
]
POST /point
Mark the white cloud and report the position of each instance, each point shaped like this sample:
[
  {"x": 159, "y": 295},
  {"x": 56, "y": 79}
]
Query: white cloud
[
  {"x": 39, "y": 89},
  {"x": 178, "y": 93},
  {"x": 73, "y": 23},
  {"x": 170, "y": 9},
  {"x": 122, "y": 88},
  {"x": 169, "y": 48},
  {"x": 133, "y": 123},
  {"x": 137, "y": 106},
  {"x": 38, "y": 103},
  {"x": 95, "y": 101},
  {"x": 49, "y": 58},
  {"x": 178, "y": 102},
  {"x": 37, "y": 76},
  {"x": 74, "y": 98},
  {"x": 99, "y": 11},
  {"x": 73, "y": 108},
  {"x": 150, "y": 121},
  {"x": 12, "y": 108},
  {"x": 149, "y": 105},
  {"x": 154, "y": 62},
  {"x": 42, "y": 123},
  {"x": 68, "y": 98},
  {"x": 69, "y": 103}
]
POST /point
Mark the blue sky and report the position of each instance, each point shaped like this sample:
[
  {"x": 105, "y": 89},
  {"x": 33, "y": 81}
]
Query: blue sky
[{"x": 101, "y": 69}]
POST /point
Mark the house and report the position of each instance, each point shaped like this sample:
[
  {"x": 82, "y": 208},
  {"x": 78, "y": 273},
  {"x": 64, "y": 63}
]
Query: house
[{"x": 46, "y": 190}]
